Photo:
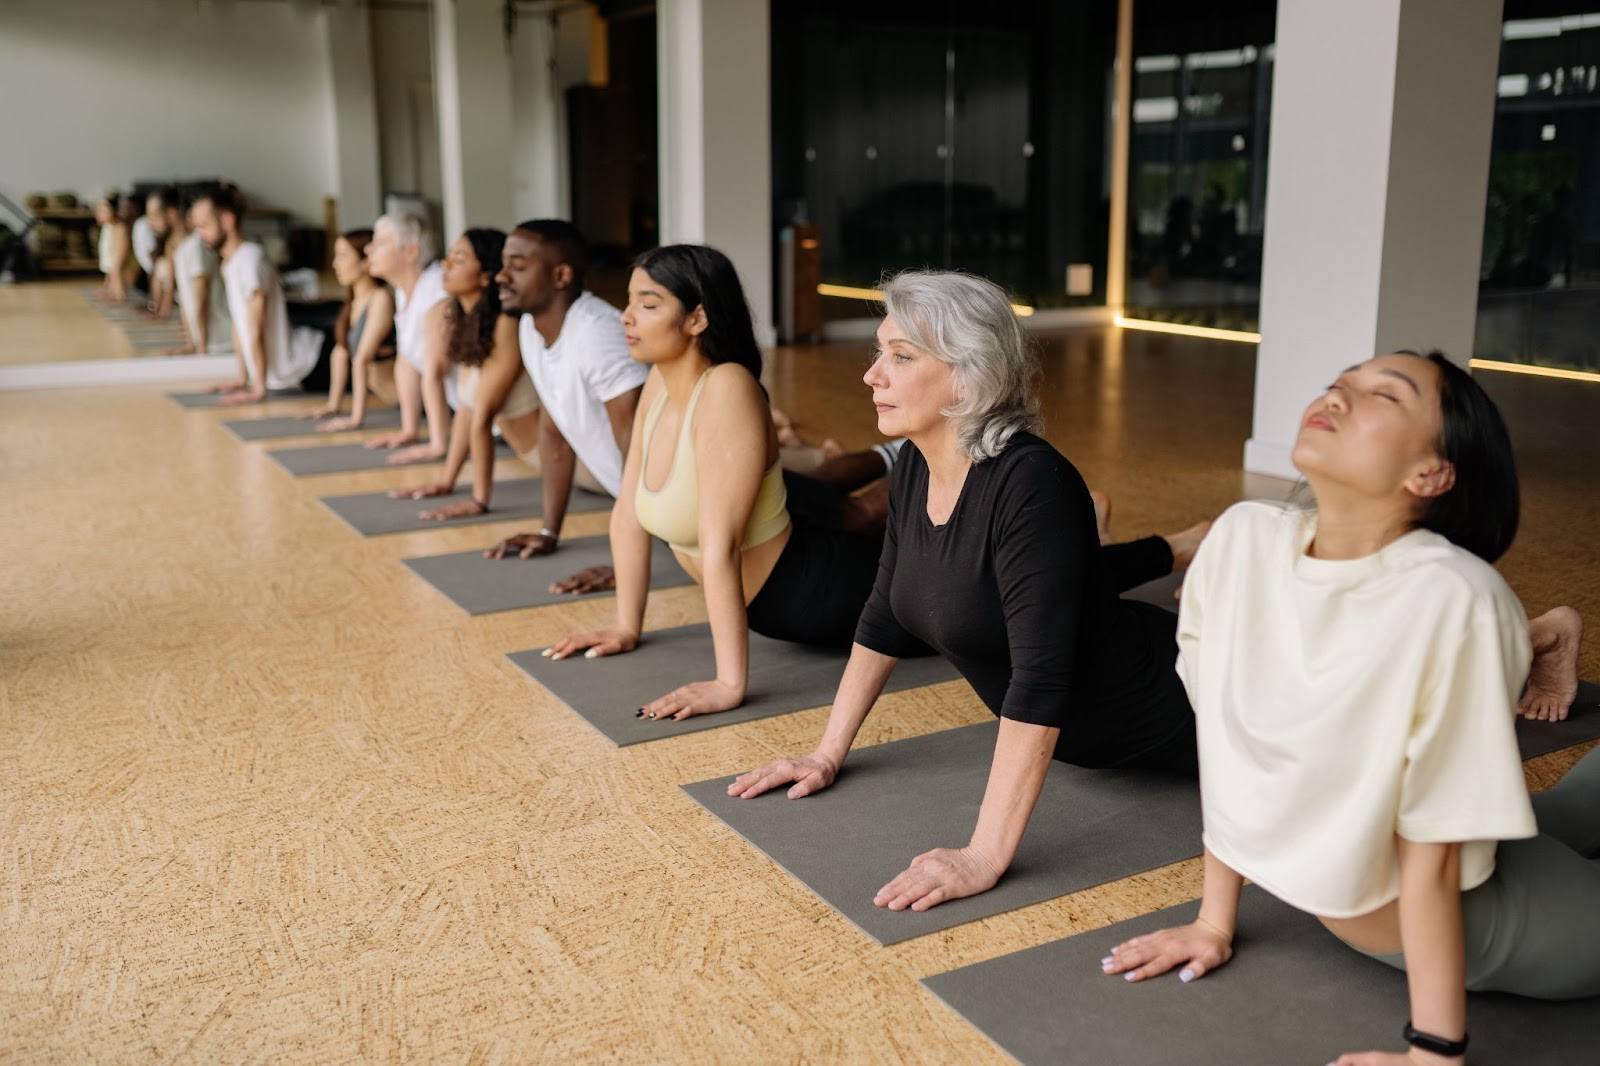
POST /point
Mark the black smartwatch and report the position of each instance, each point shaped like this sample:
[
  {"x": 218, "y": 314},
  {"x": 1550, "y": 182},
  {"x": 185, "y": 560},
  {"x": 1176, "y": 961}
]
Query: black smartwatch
[{"x": 1436, "y": 1044}]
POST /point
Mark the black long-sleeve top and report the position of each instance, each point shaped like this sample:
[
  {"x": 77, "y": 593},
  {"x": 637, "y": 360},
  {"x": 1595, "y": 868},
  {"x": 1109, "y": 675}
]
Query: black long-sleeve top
[{"x": 1011, "y": 589}]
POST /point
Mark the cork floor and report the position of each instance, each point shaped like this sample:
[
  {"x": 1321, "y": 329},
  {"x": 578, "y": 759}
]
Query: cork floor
[{"x": 264, "y": 796}]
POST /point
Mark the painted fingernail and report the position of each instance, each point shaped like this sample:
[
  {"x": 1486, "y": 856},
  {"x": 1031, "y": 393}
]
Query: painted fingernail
[
  {"x": 1186, "y": 976},
  {"x": 1129, "y": 976},
  {"x": 639, "y": 713},
  {"x": 546, "y": 652},
  {"x": 592, "y": 653},
  {"x": 1107, "y": 961},
  {"x": 650, "y": 716}
]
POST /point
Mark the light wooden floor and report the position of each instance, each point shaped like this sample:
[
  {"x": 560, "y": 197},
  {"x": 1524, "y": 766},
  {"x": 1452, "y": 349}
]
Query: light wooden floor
[
  {"x": 264, "y": 796},
  {"x": 50, "y": 322}
]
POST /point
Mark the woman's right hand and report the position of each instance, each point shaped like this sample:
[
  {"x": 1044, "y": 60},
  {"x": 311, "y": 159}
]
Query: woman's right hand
[
  {"x": 1198, "y": 947},
  {"x": 810, "y": 773},
  {"x": 339, "y": 425},
  {"x": 422, "y": 492},
  {"x": 595, "y": 644}
]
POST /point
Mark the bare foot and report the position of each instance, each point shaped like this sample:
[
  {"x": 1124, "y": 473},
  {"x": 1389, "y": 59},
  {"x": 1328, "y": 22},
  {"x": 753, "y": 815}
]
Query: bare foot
[
  {"x": 788, "y": 436},
  {"x": 1102, "y": 516},
  {"x": 1553, "y": 677},
  {"x": 1185, "y": 544}
]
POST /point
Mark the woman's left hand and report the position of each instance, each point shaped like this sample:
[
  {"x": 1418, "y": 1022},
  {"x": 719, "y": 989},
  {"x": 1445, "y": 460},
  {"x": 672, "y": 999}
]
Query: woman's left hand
[
  {"x": 422, "y": 492},
  {"x": 936, "y": 876},
  {"x": 454, "y": 509},
  {"x": 698, "y": 697}
]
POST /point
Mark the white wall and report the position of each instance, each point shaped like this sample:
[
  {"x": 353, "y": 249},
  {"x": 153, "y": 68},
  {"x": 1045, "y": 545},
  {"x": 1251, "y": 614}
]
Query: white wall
[
  {"x": 408, "y": 132},
  {"x": 104, "y": 92}
]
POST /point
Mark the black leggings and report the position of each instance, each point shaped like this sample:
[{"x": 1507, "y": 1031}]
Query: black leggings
[{"x": 815, "y": 593}]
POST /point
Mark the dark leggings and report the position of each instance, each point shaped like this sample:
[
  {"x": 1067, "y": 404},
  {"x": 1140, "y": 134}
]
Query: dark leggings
[{"x": 815, "y": 593}]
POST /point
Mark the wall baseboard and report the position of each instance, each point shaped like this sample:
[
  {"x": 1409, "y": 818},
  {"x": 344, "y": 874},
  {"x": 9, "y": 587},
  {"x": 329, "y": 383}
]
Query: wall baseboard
[{"x": 134, "y": 370}]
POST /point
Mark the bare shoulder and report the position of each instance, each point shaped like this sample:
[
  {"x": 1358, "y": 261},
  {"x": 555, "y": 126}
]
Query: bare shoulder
[{"x": 730, "y": 387}]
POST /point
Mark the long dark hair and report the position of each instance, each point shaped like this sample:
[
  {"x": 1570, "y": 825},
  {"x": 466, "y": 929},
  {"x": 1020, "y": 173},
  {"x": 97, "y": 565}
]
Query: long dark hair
[
  {"x": 1480, "y": 512},
  {"x": 472, "y": 332},
  {"x": 703, "y": 277},
  {"x": 357, "y": 239}
]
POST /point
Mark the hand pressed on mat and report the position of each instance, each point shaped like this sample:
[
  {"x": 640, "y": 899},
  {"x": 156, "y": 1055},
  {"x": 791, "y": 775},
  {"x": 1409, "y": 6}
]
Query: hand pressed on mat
[
  {"x": 1198, "y": 947},
  {"x": 937, "y": 876},
  {"x": 697, "y": 697},
  {"x": 340, "y": 425},
  {"x": 422, "y": 492},
  {"x": 810, "y": 773},
  {"x": 392, "y": 440},
  {"x": 417, "y": 453},
  {"x": 525, "y": 545},
  {"x": 594, "y": 644},
  {"x": 240, "y": 398},
  {"x": 454, "y": 509},
  {"x": 599, "y": 578}
]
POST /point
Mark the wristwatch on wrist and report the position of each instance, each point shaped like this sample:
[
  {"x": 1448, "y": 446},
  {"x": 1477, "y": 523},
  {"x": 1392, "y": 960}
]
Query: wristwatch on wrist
[{"x": 1436, "y": 1044}]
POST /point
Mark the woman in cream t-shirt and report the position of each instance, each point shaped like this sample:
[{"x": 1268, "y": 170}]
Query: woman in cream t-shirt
[{"x": 1355, "y": 672}]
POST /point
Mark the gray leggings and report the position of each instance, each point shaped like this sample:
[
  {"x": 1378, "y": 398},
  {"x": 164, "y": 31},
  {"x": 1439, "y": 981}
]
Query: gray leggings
[{"x": 1533, "y": 928}]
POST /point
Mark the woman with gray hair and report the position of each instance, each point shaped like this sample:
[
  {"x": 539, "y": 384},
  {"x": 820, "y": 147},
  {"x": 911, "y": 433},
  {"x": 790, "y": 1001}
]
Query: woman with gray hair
[{"x": 984, "y": 514}]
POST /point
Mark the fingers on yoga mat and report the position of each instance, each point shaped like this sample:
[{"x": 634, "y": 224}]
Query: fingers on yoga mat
[
  {"x": 892, "y": 802},
  {"x": 1293, "y": 994},
  {"x": 517, "y": 499},
  {"x": 485, "y": 586},
  {"x": 282, "y": 428},
  {"x": 214, "y": 399},
  {"x": 1582, "y": 724},
  {"x": 346, "y": 458},
  {"x": 608, "y": 691}
]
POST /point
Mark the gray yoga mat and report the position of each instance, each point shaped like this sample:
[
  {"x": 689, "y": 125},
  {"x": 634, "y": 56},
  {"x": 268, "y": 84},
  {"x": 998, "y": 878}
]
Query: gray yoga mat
[
  {"x": 1581, "y": 725},
  {"x": 784, "y": 677},
  {"x": 213, "y": 399},
  {"x": 894, "y": 801},
  {"x": 373, "y": 513},
  {"x": 1293, "y": 995},
  {"x": 348, "y": 458},
  {"x": 485, "y": 586},
  {"x": 283, "y": 427}
]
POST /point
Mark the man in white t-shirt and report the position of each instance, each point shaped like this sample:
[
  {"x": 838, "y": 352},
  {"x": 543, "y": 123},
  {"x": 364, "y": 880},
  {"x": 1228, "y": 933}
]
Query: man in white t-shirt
[
  {"x": 402, "y": 253},
  {"x": 261, "y": 337},
  {"x": 576, "y": 353},
  {"x": 148, "y": 231},
  {"x": 197, "y": 273}
]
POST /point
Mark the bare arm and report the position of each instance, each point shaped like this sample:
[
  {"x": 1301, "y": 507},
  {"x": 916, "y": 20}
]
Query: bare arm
[
  {"x": 257, "y": 325},
  {"x": 630, "y": 555},
  {"x": 1431, "y": 932},
  {"x": 496, "y": 377},
  {"x": 202, "y": 313},
  {"x": 620, "y": 411},
  {"x": 436, "y": 366},
  {"x": 380, "y": 320}
]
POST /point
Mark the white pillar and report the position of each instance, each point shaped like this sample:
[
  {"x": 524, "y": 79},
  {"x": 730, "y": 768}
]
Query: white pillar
[
  {"x": 352, "y": 115},
  {"x": 716, "y": 138},
  {"x": 472, "y": 91},
  {"x": 1382, "y": 116},
  {"x": 550, "y": 53}
]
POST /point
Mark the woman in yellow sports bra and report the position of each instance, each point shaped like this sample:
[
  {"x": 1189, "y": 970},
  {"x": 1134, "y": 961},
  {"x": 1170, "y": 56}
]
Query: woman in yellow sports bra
[{"x": 702, "y": 473}]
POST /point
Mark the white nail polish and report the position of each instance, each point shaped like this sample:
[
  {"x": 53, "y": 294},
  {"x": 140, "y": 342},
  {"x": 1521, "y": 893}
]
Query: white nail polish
[
  {"x": 591, "y": 654},
  {"x": 1128, "y": 976},
  {"x": 546, "y": 652},
  {"x": 1186, "y": 976},
  {"x": 1107, "y": 961}
]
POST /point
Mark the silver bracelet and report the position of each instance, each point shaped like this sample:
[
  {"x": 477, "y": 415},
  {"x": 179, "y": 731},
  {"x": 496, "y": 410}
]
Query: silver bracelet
[{"x": 546, "y": 531}]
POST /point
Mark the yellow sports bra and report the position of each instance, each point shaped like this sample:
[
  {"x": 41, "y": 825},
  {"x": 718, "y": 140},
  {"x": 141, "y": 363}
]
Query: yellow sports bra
[{"x": 672, "y": 512}]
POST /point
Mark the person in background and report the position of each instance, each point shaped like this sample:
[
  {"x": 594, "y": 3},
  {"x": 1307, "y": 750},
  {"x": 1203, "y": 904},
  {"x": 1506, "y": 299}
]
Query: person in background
[
  {"x": 363, "y": 335},
  {"x": 267, "y": 357},
  {"x": 197, "y": 276},
  {"x": 146, "y": 234},
  {"x": 402, "y": 254}
]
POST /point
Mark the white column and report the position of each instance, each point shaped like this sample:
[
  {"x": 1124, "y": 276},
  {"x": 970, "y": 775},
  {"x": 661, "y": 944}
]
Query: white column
[
  {"x": 352, "y": 115},
  {"x": 549, "y": 54},
  {"x": 472, "y": 91},
  {"x": 715, "y": 137},
  {"x": 1382, "y": 115}
]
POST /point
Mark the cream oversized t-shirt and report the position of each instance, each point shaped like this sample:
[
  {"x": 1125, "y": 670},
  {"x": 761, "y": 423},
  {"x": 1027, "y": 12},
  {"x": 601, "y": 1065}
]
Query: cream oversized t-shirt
[{"x": 1341, "y": 703}]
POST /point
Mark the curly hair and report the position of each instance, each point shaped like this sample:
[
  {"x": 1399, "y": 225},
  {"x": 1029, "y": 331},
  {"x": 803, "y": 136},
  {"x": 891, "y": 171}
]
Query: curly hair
[{"x": 471, "y": 333}]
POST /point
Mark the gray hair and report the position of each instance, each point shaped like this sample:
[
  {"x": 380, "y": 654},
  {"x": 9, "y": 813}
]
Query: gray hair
[
  {"x": 967, "y": 322},
  {"x": 411, "y": 229}
]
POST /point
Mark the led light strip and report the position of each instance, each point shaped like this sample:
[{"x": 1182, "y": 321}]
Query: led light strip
[
  {"x": 1188, "y": 331},
  {"x": 850, "y": 292},
  {"x": 1535, "y": 371}
]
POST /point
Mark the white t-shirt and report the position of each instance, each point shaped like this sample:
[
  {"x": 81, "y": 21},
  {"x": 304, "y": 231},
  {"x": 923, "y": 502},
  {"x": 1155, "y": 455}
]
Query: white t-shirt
[
  {"x": 410, "y": 318},
  {"x": 145, "y": 242},
  {"x": 246, "y": 273},
  {"x": 193, "y": 260},
  {"x": 1340, "y": 703},
  {"x": 588, "y": 365}
]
